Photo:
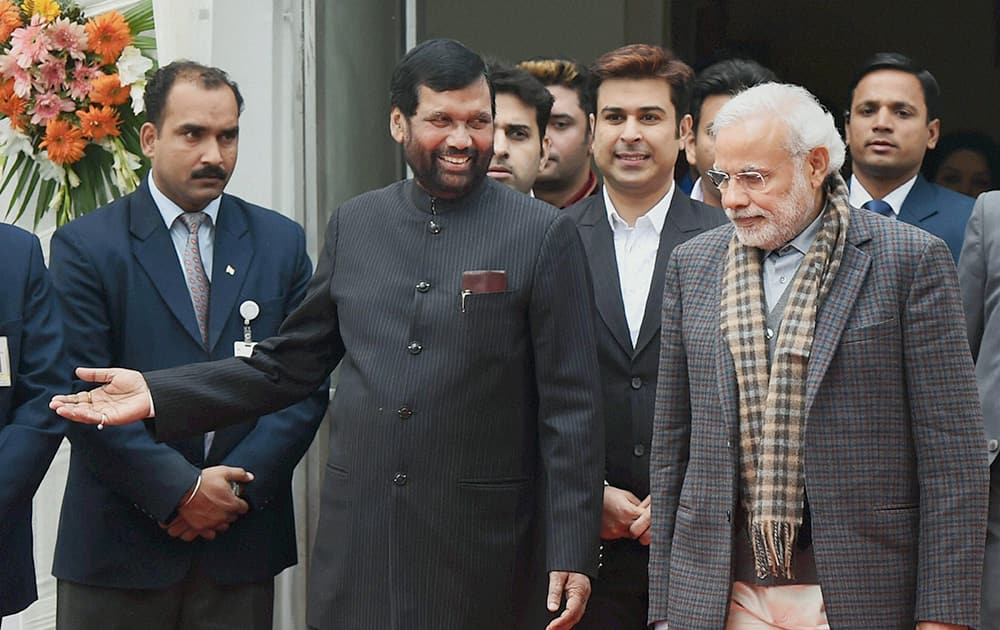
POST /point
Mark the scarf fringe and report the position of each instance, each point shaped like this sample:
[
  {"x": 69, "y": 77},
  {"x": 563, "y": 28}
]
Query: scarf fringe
[{"x": 772, "y": 549}]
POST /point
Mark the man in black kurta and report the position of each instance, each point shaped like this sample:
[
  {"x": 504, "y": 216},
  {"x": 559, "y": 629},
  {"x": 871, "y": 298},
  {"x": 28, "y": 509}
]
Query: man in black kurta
[{"x": 466, "y": 431}]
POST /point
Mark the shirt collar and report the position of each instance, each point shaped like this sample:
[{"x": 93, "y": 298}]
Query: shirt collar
[
  {"x": 170, "y": 210},
  {"x": 805, "y": 238},
  {"x": 655, "y": 215},
  {"x": 859, "y": 196},
  {"x": 697, "y": 194}
]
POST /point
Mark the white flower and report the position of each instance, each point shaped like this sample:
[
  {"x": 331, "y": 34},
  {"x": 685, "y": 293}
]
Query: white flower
[
  {"x": 132, "y": 66},
  {"x": 138, "y": 94},
  {"x": 48, "y": 169},
  {"x": 13, "y": 141}
]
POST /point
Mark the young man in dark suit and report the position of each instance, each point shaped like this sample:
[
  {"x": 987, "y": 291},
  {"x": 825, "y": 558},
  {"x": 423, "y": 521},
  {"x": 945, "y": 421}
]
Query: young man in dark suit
[
  {"x": 629, "y": 231},
  {"x": 176, "y": 536}
]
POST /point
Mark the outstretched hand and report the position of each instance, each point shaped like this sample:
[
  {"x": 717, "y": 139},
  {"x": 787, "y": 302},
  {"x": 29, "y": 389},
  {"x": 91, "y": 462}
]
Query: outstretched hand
[{"x": 122, "y": 398}]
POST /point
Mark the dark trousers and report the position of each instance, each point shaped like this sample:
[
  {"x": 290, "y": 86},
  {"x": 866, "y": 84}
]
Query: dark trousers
[
  {"x": 991, "y": 561},
  {"x": 610, "y": 610},
  {"x": 194, "y": 603}
]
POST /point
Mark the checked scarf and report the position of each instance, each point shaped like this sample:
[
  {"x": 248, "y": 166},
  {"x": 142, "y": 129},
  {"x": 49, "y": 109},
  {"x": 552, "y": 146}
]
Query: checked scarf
[{"x": 772, "y": 401}]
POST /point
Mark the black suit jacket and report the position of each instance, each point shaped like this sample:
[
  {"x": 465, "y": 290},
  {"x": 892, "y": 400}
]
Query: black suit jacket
[
  {"x": 454, "y": 417},
  {"x": 628, "y": 376}
]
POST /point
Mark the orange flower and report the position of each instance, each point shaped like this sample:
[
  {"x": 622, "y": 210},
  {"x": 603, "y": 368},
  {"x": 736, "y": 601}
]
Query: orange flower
[
  {"x": 108, "y": 35},
  {"x": 63, "y": 141},
  {"x": 107, "y": 89},
  {"x": 10, "y": 19},
  {"x": 11, "y": 105},
  {"x": 98, "y": 122}
]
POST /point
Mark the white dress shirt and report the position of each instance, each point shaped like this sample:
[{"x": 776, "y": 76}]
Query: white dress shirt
[
  {"x": 635, "y": 253},
  {"x": 860, "y": 196}
]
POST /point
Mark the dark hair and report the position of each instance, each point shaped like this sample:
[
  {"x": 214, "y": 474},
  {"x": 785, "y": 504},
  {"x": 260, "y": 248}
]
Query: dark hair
[
  {"x": 899, "y": 61},
  {"x": 567, "y": 73},
  {"x": 163, "y": 79},
  {"x": 645, "y": 61},
  {"x": 439, "y": 64},
  {"x": 971, "y": 140},
  {"x": 728, "y": 77},
  {"x": 507, "y": 79}
]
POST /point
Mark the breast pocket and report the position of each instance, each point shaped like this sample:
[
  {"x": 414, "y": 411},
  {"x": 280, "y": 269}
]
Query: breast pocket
[
  {"x": 494, "y": 324},
  {"x": 868, "y": 332}
]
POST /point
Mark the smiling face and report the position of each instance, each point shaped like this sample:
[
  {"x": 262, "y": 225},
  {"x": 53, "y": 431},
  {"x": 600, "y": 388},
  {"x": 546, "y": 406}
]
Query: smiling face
[
  {"x": 888, "y": 131},
  {"x": 193, "y": 153},
  {"x": 518, "y": 149},
  {"x": 636, "y": 137},
  {"x": 448, "y": 142}
]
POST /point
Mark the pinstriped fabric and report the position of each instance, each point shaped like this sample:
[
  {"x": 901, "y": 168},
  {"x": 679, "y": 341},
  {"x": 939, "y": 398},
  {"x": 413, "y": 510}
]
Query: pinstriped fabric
[
  {"x": 895, "y": 467},
  {"x": 458, "y": 438}
]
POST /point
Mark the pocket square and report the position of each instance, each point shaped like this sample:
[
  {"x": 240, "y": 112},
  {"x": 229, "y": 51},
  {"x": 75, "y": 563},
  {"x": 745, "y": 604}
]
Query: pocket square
[{"x": 484, "y": 281}]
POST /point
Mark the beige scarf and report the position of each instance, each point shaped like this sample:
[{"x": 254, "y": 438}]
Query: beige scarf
[{"x": 772, "y": 401}]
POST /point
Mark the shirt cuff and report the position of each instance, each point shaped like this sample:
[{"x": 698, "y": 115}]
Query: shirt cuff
[{"x": 152, "y": 410}]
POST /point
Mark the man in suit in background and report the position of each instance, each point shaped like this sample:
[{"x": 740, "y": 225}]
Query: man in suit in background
[
  {"x": 520, "y": 146},
  {"x": 151, "y": 535},
  {"x": 891, "y": 123},
  {"x": 628, "y": 232},
  {"x": 32, "y": 366},
  {"x": 979, "y": 276},
  {"x": 466, "y": 416},
  {"x": 566, "y": 176},
  {"x": 710, "y": 90},
  {"x": 817, "y": 444}
]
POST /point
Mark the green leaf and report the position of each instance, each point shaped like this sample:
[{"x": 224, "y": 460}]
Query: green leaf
[
  {"x": 45, "y": 192},
  {"x": 30, "y": 191}
]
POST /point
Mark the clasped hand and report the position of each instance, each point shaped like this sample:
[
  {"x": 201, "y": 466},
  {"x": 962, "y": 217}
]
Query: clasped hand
[{"x": 212, "y": 507}]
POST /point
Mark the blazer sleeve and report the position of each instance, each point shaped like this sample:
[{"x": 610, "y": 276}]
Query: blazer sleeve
[
  {"x": 671, "y": 438},
  {"x": 947, "y": 426},
  {"x": 31, "y": 432},
  {"x": 571, "y": 433},
  {"x": 153, "y": 476},
  {"x": 973, "y": 277},
  {"x": 283, "y": 370},
  {"x": 279, "y": 440}
]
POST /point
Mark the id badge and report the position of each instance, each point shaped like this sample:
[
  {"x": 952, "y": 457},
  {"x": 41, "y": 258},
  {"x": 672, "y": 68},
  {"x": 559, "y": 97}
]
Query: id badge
[
  {"x": 4, "y": 363},
  {"x": 243, "y": 348}
]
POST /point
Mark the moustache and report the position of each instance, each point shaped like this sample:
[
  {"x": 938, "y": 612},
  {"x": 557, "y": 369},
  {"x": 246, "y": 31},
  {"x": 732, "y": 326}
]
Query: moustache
[{"x": 209, "y": 172}]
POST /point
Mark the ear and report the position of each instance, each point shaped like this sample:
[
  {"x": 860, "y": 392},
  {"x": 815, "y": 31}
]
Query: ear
[
  {"x": 546, "y": 145},
  {"x": 934, "y": 133},
  {"x": 592, "y": 126},
  {"x": 817, "y": 163},
  {"x": 147, "y": 139},
  {"x": 397, "y": 125},
  {"x": 686, "y": 130}
]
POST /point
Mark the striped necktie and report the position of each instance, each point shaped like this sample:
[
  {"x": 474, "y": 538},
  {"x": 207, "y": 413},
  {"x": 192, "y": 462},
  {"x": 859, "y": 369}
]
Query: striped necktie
[{"x": 195, "y": 271}]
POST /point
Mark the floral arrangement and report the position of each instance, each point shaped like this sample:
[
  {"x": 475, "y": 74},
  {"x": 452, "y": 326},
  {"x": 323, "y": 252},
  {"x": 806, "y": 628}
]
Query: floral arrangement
[{"x": 71, "y": 104}]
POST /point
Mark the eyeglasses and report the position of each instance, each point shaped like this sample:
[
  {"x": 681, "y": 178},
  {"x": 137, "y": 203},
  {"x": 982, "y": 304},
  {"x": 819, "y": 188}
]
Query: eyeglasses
[{"x": 748, "y": 180}]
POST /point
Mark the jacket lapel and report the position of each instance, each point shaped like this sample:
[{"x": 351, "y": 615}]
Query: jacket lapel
[
  {"x": 154, "y": 251},
  {"x": 233, "y": 251},
  {"x": 681, "y": 223},
  {"x": 599, "y": 242},
  {"x": 833, "y": 314},
  {"x": 919, "y": 203}
]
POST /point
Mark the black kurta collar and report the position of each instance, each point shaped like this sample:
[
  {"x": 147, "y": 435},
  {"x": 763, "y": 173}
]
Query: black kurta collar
[{"x": 435, "y": 205}]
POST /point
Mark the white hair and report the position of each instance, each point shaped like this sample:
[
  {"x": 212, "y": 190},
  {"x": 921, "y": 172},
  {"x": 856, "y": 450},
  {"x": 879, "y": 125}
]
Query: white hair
[{"x": 809, "y": 125}]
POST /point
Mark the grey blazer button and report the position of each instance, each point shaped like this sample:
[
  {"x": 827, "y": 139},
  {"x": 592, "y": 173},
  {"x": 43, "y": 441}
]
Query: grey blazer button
[
  {"x": 993, "y": 445},
  {"x": 399, "y": 479},
  {"x": 415, "y": 347},
  {"x": 639, "y": 450},
  {"x": 433, "y": 227},
  {"x": 423, "y": 286},
  {"x": 636, "y": 382}
]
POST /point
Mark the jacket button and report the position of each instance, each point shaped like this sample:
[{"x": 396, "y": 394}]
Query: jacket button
[
  {"x": 423, "y": 286},
  {"x": 636, "y": 382},
  {"x": 433, "y": 227},
  {"x": 399, "y": 479},
  {"x": 414, "y": 347},
  {"x": 639, "y": 450},
  {"x": 405, "y": 413},
  {"x": 993, "y": 445}
]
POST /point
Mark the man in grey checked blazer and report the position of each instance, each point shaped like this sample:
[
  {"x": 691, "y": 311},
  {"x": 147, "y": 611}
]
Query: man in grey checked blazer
[{"x": 887, "y": 520}]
